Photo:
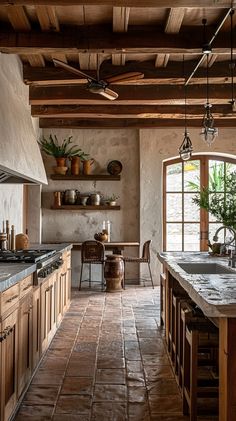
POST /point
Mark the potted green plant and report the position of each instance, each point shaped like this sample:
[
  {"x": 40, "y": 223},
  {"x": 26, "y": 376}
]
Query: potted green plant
[
  {"x": 219, "y": 199},
  {"x": 111, "y": 200},
  {"x": 60, "y": 151}
]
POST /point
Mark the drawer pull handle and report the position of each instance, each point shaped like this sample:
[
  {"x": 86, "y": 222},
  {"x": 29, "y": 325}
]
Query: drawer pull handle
[
  {"x": 12, "y": 298},
  {"x": 27, "y": 287}
]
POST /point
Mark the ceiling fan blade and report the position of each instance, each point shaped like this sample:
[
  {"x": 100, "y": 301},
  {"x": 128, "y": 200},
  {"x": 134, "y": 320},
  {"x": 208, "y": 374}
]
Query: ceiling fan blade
[
  {"x": 104, "y": 91},
  {"x": 72, "y": 69},
  {"x": 125, "y": 77}
]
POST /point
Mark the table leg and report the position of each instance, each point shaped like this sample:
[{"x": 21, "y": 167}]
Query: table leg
[{"x": 227, "y": 369}]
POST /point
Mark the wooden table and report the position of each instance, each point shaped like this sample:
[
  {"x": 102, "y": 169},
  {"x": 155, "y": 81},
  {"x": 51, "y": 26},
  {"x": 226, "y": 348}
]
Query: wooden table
[{"x": 115, "y": 246}]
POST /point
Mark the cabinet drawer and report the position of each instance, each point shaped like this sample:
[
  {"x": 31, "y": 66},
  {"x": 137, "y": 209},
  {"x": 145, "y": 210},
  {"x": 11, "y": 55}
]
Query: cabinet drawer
[
  {"x": 9, "y": 298},
  {"x": 26, "y": 285}
]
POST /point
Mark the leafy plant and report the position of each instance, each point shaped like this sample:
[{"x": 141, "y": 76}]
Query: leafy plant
[
  {"x": 221, "y": 205},
  {"x": 112, "y": 198},
  {"x": 51, "y": 146}
]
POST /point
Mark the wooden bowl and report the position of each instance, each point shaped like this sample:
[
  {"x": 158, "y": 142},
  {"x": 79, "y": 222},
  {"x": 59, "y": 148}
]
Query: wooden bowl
[{"x": 60, "y": 170}]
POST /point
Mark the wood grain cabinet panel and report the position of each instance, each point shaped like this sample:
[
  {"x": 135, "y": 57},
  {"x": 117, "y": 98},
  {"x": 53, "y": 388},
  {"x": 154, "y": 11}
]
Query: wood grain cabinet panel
[
  {"x": 25, "y": 342},
  {"x": 36, "y": 334},
  {"x": 9, "y": 364}
]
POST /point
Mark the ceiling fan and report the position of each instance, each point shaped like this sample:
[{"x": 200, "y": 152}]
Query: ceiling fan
[{"x": 97, "y": 85}]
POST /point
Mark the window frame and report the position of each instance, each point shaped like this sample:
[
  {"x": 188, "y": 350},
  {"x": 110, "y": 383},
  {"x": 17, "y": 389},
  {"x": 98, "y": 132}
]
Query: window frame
[{"x": 204, "y": 177}]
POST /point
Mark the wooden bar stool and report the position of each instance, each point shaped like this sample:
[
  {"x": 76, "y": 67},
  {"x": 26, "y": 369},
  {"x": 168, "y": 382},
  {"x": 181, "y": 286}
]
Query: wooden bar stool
[{"x": 200, "y": 341}]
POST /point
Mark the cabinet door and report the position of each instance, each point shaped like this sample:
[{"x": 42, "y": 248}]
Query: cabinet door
[
  {"x": 68, "y": 281},
  {"x": 45, "y": 314},
  {"x": 25, "y": 342},
  {"x": 9, "y": 364},
  {"x": 53, "y": 307},
  {"x": 36, "y": 351}
]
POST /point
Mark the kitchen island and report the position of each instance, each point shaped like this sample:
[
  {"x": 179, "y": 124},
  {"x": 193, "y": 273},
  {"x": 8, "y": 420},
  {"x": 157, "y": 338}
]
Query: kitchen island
[
  {"x": 215, "y": 294},
  {"x": 32, "y": 306}
]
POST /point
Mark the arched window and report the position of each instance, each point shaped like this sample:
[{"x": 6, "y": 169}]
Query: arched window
[{"x": 186, "y": 227}]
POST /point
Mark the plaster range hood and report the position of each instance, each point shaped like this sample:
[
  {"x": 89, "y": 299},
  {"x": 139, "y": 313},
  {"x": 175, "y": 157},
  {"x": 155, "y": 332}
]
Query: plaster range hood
[{"x": 10, "y": 177}]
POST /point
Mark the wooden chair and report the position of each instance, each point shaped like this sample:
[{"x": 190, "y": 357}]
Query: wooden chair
[
  {"x": 92, "y": 253},
  {"x": 144, "y": 259}
]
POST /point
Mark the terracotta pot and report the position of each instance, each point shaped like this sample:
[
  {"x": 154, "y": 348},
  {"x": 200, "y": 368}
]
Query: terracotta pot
[
  {"x": 114, "y": 272},
  {"x": 75, "y": 165},
  {"x": 61, "y": 161},
  {"x": 87, "y": 166}
]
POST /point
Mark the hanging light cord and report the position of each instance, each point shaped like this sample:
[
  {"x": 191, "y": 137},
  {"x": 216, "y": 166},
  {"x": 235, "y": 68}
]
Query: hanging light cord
[
  {"x": 207, "y": 81},
  {"x": 231, "y": 56},
  {"x": 185, "y": 98}
]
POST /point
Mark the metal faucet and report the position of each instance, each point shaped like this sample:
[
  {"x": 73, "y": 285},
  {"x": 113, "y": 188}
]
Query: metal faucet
[{"x": 232, "y": 258}]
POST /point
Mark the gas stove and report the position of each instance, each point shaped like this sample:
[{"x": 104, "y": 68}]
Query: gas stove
[
  {"x": 47, "y": 261},
  {"x": 26, "y": 256}
]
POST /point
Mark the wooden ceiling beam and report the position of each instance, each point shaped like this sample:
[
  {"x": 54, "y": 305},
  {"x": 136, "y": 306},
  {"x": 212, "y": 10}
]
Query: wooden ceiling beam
[
  {"x": 36, "y": 60},
  {"x": 47, "y": 18},
  {"x": 173, "y": 73},
  {"x": 162, "y": 60},
  {"x": 120, "y": 19},
  {"x": 128, "y": 3},
  {"x": 126, "y": 123},
  {"x": 174, "y": 20},
  {"x": 131, "y": 95},
  {"x": 127, "y": 111},
  {"x": 18, "y": 18},
  {"x": 100, "y": 39}
]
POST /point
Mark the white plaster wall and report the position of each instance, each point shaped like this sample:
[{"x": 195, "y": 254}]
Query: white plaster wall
[
  {"x": 19, "y": 150},
  {"x": 11, "y": 205},
  {"x": 103, "y": 146},
  {"x": 157, "y": 145}
]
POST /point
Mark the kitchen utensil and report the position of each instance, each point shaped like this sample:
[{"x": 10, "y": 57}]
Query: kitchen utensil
[
  {"x": 87, "y": 166},
  {"x": 84, "y": 200},
  {"x": 95, "y": 199},
  {"x": 70, "y": 197}
]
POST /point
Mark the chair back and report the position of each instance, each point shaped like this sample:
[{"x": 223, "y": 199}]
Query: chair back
[
  {"x": 146, "y": 251},
  {"x": 92, "y": 251}
]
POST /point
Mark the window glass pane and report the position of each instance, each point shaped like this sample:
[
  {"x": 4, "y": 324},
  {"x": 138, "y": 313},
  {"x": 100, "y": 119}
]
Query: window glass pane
[
  {"x": 216, "y": 175},
  {"x": 173, "y": 207},
  {"x": 174, "y": 177},
  {"x": 230, "y": 168},
  {"x": 191, "y": 237},
  {"x": 191, "y": 210},
  {"x": 192, "y": 175},
  {"x": 174, "y": 237},
  {"x": 212, "y": 230},
  {"x": 214, "y": 200}
]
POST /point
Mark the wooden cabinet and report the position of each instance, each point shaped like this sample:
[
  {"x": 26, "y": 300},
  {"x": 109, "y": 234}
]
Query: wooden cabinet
[
  {"x": 25, "y": 317},
  {"x": 36, "y": 334},
  {"x": 9, "y": 363}
]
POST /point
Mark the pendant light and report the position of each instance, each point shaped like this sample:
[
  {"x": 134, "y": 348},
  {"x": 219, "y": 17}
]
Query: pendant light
[
  {"x": 186, "y": 148},
  {"x": 232, "y": 64},
  {"x": 209, "y": 132}
]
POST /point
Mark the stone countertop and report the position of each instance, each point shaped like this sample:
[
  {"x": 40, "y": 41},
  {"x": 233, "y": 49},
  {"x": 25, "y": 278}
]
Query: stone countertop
[
  {"x": 11, "y": 273},
  {"x": 215, "y": 294}
]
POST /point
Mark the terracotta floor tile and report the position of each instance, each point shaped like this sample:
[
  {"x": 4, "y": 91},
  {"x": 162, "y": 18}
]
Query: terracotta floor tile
[
  {"x": 107, "y": 362},
  {"x": 109, "y": 411},
  {"x": 165, "y": 404},
  {"x": 110, "y": 392},
  {"x": 73, "y": 404},
  {"x": 41, "y": 395},
  {"x": 156, "y": 372},
  {"x": 110, "y": 376},
  {"x": 77, "y": 385},
  {"x": 40, "y": 411},
  {"x": 137, "y": 394}
]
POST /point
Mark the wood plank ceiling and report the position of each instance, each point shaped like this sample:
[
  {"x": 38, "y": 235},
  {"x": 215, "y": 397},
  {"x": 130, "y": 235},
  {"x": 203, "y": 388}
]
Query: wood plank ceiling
[{"x": 148, "y": 36}]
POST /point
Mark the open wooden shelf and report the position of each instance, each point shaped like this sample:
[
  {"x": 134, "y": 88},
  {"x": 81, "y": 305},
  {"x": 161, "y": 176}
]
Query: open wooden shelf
[
  {"x": 86, "y": 207},
  {"x": 104, "y": 177}
]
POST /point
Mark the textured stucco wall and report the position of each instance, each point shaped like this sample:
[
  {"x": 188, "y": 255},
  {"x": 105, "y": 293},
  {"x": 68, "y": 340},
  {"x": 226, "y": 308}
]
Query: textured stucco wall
[
  {"x": 19, "y": 150},
  {"x": 157, "y": 145},
  {"x": 103, "y": 146},
  {"x": 11, "y": 205}
]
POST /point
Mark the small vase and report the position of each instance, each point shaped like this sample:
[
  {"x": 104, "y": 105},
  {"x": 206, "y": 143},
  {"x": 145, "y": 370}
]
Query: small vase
[
  {"x": 75, "y": 165},
  {"x": 61, "y": 161},
  {"x": 87, "y": 166}
]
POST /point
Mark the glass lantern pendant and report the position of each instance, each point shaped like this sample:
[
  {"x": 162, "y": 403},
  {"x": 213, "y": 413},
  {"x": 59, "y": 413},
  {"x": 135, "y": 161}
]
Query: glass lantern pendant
[
  {"x": 186, "y": 148},
  {"x": 209, "y": 132}
]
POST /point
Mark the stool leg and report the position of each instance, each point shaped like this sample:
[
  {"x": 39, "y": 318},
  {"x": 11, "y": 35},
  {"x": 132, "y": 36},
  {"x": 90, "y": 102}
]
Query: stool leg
[
  {"x": 81, "y": 272},
  {"x": 186, "y": 373},
  {"x": 150, "y": 274}
]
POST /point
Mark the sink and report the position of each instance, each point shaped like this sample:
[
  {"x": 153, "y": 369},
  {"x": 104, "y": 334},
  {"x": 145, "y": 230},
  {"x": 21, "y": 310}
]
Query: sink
[{"x": 205, "y": 268}]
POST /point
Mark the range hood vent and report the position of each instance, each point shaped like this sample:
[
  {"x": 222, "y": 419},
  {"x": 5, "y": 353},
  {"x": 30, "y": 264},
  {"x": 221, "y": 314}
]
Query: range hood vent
[{"x": 7, "y": 177}]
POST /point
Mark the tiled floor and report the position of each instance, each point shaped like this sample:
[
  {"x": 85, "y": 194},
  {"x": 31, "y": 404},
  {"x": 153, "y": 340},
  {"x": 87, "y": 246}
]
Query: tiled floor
[{"x": 107, "y": 362}]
